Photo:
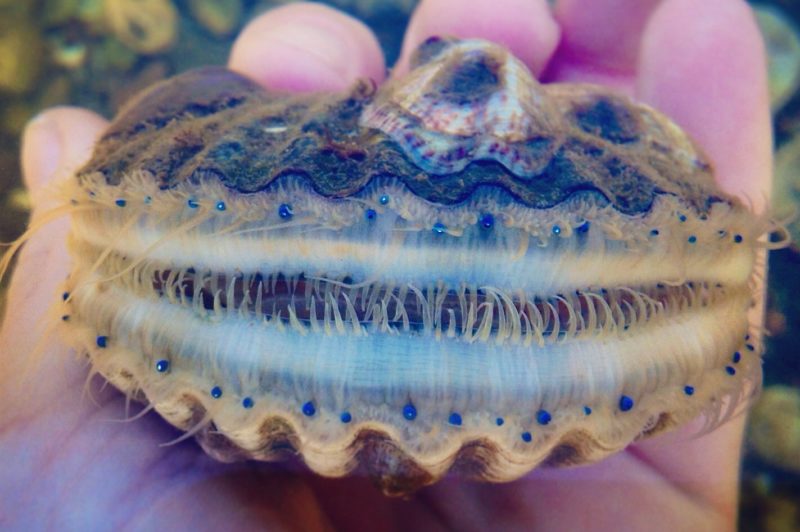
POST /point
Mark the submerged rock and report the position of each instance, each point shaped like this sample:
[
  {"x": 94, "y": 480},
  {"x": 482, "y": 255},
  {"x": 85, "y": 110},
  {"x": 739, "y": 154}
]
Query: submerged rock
[
  {"x": 147, "y": 26},
  {"x": 220, "y": 17},
  {"x": 783, "y": 53},
  {"x": 20, "y": 58},
  {"x": 774, "y": 431},
  {"x": 786, "y": 197}
]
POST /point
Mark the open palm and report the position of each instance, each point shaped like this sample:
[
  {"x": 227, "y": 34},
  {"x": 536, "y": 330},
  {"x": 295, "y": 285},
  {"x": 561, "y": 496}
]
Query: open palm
[{"x": 67, "y": 464}]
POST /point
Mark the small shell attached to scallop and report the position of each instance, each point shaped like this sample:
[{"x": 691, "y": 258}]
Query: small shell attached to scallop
[{"x": 472, "y": 102}]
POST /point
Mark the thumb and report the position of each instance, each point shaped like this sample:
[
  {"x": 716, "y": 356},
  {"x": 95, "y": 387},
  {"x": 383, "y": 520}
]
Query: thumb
[{"x": 54, "y": 144}]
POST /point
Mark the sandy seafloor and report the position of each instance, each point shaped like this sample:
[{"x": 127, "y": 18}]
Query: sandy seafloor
[{"x": 64, "y": 52}]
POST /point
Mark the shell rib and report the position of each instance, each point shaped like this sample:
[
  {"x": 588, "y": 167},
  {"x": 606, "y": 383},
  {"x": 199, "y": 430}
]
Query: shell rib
[{"x": 464, "y": 270}]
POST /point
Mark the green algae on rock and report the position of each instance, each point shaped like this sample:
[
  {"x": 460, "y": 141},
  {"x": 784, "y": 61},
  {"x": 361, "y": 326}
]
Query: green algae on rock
[
  {"x": 774, "y": 430},
  {"x": 147, "y": 26}
]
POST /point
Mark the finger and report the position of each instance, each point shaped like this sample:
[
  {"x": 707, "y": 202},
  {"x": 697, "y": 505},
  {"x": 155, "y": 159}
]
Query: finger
[
  {"x": 54, "y": 145},
  {"x": 609, "y": 494},
  {"x": 702, "y": 63},
  {"x": 600, "y": 40},
  {"x": 704, "y": 467},
  {"x": 525, "y": 27},
  {"x": 307, "y": 47}
]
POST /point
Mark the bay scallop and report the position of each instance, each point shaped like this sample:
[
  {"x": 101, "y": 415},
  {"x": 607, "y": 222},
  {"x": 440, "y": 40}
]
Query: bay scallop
[{"x": 462, "y": 270}]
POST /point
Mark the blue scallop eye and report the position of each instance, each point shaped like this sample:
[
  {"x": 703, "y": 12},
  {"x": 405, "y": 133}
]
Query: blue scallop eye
[
  {"x": 121, "y": 202},
  {"x": 556, "y": 230},
  {"x": 383, "y": 200},
  {"x": 543, "y": 417},
  {"x": 221, "y": 206},
  {"x": 162, "y": 366},
  {"x": 625, "y": 403},
  {"x": 455, "y": 419},
  {"x": 309, "y": 409},
  {"x": 410, "y": 412},
  {"x": 248, "y": 402},
  {"x": 216, "y": 392},
  {"x": 346, "y": 417},
  {"x": 370, "y": 214},
  {"x": 285, "y": 211},
  {"x": 192, "y": 203},
  {"x": 487, "y": 221},
  {"x": 439, "y": 228}
]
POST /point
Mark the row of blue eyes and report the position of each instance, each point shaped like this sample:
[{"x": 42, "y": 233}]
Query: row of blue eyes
[
  {"x": 543, "y": 417},
  {"x": 486, "y": 220}
]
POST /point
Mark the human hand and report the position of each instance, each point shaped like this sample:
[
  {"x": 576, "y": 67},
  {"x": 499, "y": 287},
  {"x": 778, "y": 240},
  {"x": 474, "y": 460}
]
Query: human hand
[{"x": 66, "y": 465}]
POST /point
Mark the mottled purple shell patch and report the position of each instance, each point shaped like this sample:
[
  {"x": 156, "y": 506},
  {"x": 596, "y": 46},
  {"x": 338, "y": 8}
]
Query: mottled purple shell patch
[{"x": 461, "y": 270}]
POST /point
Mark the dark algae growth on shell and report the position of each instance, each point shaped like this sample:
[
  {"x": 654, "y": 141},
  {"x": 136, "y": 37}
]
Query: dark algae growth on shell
[
  {"x": 462, "y": 270},
  {"x": 215, "y": 122}
]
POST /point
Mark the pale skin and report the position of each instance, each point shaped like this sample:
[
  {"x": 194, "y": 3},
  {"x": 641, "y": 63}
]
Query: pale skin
[{"x": 66, "y": 464}]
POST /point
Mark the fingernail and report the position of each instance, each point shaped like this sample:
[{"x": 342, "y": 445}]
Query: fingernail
[{"x": 41, "y": 150}]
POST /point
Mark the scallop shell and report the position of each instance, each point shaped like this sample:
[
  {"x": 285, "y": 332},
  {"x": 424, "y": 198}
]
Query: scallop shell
[{"x": 463, "y": 270}]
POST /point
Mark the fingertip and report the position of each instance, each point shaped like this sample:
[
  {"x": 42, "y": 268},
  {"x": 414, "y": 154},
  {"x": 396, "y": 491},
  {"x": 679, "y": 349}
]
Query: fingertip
[
  {"x": 703, "y": 64},
  {"x": 41, "y": 150},
  {"x": 600, "y": 40},
  {"x": 525, "y": 27},
  {"x": 57, "y": 140},
  {"x": 54, "y": 144},
  {"x": 307, "y": 47}
]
